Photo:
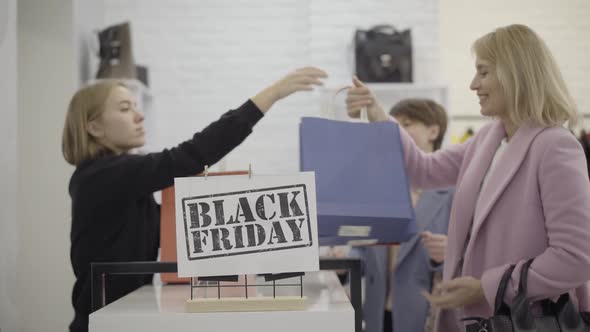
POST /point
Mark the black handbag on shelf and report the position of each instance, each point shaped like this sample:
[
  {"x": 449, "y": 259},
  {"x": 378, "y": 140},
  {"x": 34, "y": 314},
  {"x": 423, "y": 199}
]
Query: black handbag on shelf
[
  {"x": 560, "y": 316},
  {"x": 116, "y": 53},
  {"x": 383, "y": 54}
]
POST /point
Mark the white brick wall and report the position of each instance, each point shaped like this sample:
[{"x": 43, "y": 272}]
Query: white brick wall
[
  {"x": 207, "y": 56},
  {"x": 563, "y": 25},
  {"x": 333, "y": 23}
]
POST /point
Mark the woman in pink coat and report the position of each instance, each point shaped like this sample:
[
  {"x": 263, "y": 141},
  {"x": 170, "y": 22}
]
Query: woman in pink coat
[{"x": 522, "y": 187}]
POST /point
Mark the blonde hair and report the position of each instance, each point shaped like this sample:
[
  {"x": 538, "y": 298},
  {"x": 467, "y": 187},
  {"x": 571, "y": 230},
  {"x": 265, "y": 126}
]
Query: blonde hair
[
  {"x": 529, "y": 76},
  {"x": 86, "y": 105}
]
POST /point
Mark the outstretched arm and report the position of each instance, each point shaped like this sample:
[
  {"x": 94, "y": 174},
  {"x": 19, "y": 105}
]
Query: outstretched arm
[
  {"x": 425, "y": 170},
  {"x": 144, "y": 174}
]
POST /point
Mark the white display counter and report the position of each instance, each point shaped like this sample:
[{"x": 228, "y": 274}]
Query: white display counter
[{"x": 162, "y": 308}]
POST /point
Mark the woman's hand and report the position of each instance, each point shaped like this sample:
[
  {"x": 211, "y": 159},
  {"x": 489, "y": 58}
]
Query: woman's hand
[
  {"x": 435, "y": 245},
  {"x": 457, "y": 293},
  {"x": 359, "y": 96},
  {"x": 300, "y": 80}
]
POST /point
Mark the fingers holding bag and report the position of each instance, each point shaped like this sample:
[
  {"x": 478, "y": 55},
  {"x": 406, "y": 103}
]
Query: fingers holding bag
[{"x": 360, "y": 96}]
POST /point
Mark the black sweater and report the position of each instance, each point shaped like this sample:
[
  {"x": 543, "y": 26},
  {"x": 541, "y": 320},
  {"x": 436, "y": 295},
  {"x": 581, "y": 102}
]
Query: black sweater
[{"x": 114, "y": 215}]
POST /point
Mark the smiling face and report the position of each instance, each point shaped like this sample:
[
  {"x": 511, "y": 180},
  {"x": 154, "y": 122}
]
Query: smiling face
[
  {"x": 120, "y": 126},
  {"x": 488, "y": 89}
]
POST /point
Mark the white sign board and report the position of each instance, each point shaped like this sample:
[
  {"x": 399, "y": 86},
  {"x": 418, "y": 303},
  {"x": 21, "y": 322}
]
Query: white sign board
[{"x": 230, "y": 225}]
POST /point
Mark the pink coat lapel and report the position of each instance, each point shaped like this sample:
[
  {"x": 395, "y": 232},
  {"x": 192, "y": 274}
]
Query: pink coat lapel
[
  {"x": 466, "y": 194},
  {"x": 506, "y": 167}
]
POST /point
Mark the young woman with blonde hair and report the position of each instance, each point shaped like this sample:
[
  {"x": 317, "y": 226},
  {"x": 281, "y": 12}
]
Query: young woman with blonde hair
[
  {"x": 521, "y": 182},
  {"x": 114, "y": 215}
]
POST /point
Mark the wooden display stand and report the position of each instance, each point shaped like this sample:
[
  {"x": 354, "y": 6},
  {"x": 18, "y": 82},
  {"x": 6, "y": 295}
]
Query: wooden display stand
[
  {"x": 283, "y": 303},
  {"x": 242, "y": 295}
]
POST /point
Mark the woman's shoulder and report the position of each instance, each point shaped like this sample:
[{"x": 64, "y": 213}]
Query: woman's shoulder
[
  {"x": 94, "y": 170},
  {"x": 557, "y": 132},
  {"x": 555, "y": 137},
  {"x": 102, "y": 163},
  {"x": 556, "y": 148}
]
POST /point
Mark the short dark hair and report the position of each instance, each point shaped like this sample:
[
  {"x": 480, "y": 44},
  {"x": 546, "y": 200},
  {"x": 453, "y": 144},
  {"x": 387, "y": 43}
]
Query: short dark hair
[{"x": 426, "y": 111}]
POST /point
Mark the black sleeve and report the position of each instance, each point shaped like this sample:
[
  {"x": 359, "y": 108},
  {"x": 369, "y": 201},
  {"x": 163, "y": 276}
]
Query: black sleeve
[{"x": 127, "y": 176}]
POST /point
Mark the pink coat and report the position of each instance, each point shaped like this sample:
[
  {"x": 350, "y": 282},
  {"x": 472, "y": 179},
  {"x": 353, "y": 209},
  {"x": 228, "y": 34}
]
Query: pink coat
[{"x": 537, "y": 204}]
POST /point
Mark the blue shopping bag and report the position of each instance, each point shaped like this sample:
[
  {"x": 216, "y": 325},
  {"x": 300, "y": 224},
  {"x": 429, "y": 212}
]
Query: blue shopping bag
[{"x": 362, "y": 187}]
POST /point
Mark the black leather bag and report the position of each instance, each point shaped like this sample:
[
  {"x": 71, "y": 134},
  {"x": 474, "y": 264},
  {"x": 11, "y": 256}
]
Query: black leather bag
[
  {"x": 560, "y": 316},
  {"x": 383, "y": 54},
  {"x": 116, "y": 53}
]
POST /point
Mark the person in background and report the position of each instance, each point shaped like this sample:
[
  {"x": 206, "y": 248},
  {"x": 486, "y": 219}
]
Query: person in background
[
  {"x": 521, "y": 182},
  {"x": 395, "y": 275},
  {"x": 114, "y": 215}
]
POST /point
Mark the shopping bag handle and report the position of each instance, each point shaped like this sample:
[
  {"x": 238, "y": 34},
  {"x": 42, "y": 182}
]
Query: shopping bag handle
[{"x": 363, "y": 116}]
